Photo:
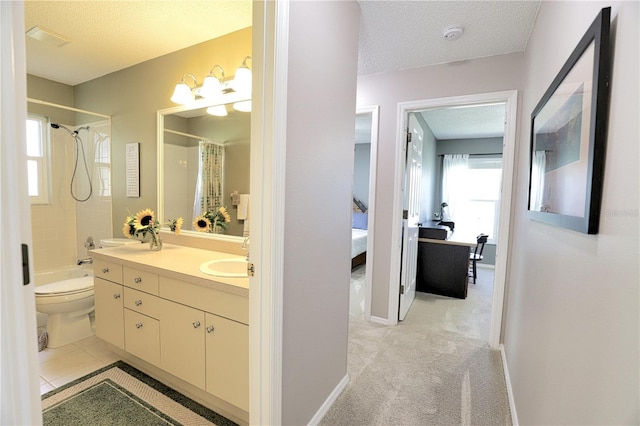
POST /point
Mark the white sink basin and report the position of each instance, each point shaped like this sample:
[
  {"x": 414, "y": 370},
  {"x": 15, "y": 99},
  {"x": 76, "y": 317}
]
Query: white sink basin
[{"x": 235, "y": 268}]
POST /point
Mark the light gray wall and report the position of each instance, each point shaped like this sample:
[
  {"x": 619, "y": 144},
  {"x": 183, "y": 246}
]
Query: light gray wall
[
  {"x": 361, "y": 168},
  {"x": 571, "y": 330},
  {"x": 492, "y": 74},
  {"x": 323, "y": 52}
]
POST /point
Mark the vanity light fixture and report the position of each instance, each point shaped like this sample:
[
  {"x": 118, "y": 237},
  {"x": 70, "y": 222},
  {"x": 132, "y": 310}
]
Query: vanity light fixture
[
  {"x": 244, "y": 106},
  {"x": 217, "y": 110},
  {"x": 183, "y": 93},
  {"x": 214, "y": 85}
]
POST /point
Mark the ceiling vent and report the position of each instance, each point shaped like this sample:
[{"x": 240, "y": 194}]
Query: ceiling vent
[
  {"x": 47, "y": 36},
  {"x": 452, "y": 33}
]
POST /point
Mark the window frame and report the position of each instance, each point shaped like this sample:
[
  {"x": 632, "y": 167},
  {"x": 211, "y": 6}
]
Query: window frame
[{"x": 43, "y": 162}]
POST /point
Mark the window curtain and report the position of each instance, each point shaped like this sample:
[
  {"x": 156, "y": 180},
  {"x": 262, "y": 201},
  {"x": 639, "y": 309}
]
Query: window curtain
[
  {"x": 209, "y": 184},
  {"x": 537, "y": 180},
  {"x": 453, "y": 183}
]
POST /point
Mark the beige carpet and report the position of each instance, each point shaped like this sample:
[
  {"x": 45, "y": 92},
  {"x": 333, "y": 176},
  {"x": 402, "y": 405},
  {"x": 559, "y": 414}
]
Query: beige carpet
[{"x": 434, "y": 368}]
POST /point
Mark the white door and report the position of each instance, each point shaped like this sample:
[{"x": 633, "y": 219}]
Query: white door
[{"x": 411, "y": 211}]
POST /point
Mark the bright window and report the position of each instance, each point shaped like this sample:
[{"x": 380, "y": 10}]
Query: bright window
[
  {"x": 38, "y": 159},
  {"x": 481, "y": 202}
]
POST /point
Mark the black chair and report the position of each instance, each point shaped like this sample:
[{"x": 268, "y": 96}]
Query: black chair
[{"x": 476, "y": 256}]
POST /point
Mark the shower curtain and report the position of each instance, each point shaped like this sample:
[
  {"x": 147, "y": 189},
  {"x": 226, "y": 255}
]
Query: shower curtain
[{"x": 209, "y": 184}]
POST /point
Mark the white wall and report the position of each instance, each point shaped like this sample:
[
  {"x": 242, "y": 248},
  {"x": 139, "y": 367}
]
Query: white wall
[
  {"x": 492, "y": 74},
  {"x": 321, "y": 93},
  {"x": 571, "y": 330}
]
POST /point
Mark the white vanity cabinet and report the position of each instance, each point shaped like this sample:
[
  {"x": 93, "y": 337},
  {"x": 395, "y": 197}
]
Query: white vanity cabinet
[
  {"x": 227, "y": 348},
  {"x": 192, "y": 330},
  {"x": 108, "y": 295}
]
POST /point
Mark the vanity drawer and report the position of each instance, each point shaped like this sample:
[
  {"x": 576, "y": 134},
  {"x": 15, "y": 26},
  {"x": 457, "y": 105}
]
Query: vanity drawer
[
  {"x": 108, "y": 270},
  {"x": 142, "y": 336},
  {"x": 217, "y": 302},
  {"x": 142, "y": 302},
  {"x": 141, "y": 280}
]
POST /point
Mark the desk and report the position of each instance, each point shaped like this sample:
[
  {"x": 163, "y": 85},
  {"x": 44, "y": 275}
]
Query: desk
[{"x": 443, "y": 265}]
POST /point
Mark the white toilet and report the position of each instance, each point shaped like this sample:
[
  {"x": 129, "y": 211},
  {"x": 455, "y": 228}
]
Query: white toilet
[
  {"x": 70, "y": 303},
  {"x": 67, "y": 304}
]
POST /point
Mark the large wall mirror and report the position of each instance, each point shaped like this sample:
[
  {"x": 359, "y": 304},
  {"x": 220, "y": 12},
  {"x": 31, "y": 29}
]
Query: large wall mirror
[{"x": 198, "y": 151}]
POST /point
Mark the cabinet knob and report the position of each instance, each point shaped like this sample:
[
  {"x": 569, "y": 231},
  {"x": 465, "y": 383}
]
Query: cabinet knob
[
  {"x": 137, "y": 280},
  {"x": 196, "y": 324},
  {"x": 210, "y": 329},
  {"x": 116, "y": 295},
  {"x": 139, "y": 325},
  {"x": 138, "y": 302},
  {"x": 105, "y": 270}
]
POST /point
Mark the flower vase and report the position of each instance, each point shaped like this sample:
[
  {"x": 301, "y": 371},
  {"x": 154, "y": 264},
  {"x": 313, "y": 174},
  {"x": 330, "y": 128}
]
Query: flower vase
[{"x": 155, "y": 244}]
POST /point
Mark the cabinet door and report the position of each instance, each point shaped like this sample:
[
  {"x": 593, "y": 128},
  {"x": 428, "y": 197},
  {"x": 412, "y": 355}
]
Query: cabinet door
[
  {"x": 109, "y": 312},
  {"x": 182, "y": 342},
  {"x": 142, "y": 336},
  {"x": 228, "y": 360}
]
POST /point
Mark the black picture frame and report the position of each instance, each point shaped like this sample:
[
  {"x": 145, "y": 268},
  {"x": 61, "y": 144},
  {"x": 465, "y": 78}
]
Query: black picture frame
[{"x": 568, "y": 136}]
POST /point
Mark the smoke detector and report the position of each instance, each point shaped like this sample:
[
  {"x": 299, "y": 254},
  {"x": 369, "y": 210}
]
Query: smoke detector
[{"x": 452, "y": 33}]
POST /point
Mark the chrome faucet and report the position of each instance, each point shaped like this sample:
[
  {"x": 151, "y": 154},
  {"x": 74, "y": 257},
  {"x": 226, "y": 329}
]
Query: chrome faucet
[
  {"x": 245, "y": 246},
  {"x": 88, "y": 260}
]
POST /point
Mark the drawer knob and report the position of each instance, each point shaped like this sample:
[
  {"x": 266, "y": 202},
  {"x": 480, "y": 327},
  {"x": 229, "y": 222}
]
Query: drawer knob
[
  {"x": 210, "y": 329},
  {"x": 116, "y": 295},
  {"x": 105, "y": 270},
  {"x": 139, "y": 325},
  {"x": 137, "y": 280},
  {"x": 138, "y": 302},
  {"x": 196, "y": 324}
]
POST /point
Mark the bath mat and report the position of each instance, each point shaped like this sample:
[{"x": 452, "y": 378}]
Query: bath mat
[{"x": 122, "y": 395}]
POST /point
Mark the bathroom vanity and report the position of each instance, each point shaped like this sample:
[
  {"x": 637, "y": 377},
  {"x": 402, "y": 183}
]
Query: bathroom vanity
[{"x": 169, "y": 317}]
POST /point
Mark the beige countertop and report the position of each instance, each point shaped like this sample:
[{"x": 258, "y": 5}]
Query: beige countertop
[{"x": 174, "y": 261}]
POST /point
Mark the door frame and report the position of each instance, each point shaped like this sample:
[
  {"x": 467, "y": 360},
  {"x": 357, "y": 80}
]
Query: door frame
[
  {"x": 510, "y": 98},
  {"x": 371, "y": 208}
]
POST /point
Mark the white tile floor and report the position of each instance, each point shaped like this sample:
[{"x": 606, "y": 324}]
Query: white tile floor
[{"x": 67, "y": 363}]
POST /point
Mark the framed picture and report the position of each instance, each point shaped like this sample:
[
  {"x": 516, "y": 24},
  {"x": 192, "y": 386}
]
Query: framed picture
[{"x": 568, "y": 135}]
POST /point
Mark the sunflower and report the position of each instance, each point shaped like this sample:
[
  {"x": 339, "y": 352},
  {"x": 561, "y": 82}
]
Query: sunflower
[
  {"x": 175, "y": 225},
  {"x": 128, "y": 230},
  {"x": 144, "y": 219},
  {"x": 202, "y": 224},
  {"x": 225, "y": 214}
]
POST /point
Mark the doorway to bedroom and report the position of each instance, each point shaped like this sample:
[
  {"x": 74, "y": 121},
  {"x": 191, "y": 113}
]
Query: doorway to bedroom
[{"x": 364, "y": 172}]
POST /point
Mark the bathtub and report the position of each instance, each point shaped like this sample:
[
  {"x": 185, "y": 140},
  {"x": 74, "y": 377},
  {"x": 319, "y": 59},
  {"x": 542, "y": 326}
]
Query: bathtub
[{"x": 58, "y": 274}]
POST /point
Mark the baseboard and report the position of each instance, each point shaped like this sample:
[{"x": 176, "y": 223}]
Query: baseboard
[
  {"x": 379, "y": 320},
  {"x": 322, "y": 411},
  {"x": 512, "y": 403}
]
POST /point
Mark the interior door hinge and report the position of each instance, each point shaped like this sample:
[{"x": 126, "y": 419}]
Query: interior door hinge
[
  {"x": 408, "y": 137},
  {"x": 405, "y": 214},
  {"x": 401, "y": 288},
  {"x": 251, "y": 269}
]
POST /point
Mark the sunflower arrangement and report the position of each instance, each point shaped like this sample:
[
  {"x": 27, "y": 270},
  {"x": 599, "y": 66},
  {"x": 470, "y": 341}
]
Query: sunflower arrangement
[
  {"x": 144, "y": 222},
  {"x": 211, "y": 221}
]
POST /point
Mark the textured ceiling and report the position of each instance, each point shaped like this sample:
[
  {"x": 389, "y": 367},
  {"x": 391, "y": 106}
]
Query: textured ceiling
[
  {"x": 396, "y": 35},
  {"x": 107, "y": 36},
  {"x": 485, "y": 121}
]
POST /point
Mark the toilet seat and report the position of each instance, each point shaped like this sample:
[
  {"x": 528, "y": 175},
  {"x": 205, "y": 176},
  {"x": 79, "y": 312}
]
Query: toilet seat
[{"x": 66, "y": 287}]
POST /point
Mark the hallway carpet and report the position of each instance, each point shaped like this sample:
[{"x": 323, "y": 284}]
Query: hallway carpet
[{"x": 434, "y": 368}]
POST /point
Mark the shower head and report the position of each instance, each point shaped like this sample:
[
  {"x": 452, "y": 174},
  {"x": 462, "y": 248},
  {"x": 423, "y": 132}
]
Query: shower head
[{"x": 55, "y": 125}]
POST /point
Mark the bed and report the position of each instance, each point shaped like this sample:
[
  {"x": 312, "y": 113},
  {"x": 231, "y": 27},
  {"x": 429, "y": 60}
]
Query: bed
[{"x": 359, "y": 234}]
